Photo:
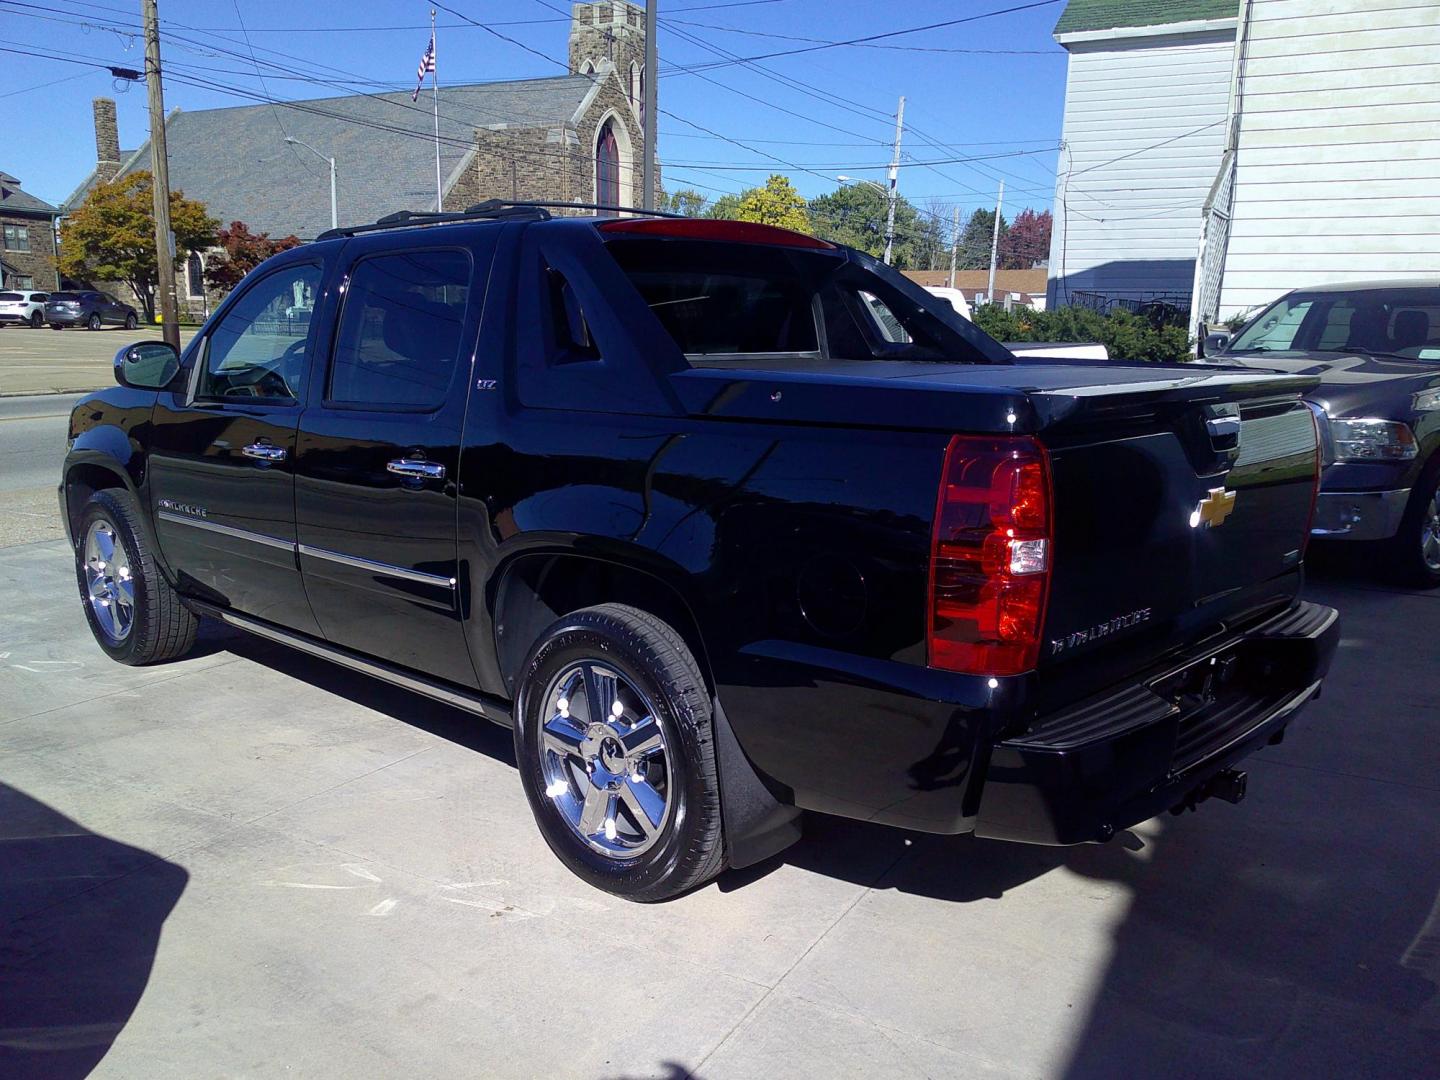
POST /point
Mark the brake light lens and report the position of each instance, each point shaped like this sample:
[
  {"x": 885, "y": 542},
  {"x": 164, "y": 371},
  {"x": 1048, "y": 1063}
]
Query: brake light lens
[
  {"x": 991, "y": 554},
  {"x": 736, "y": 232}
]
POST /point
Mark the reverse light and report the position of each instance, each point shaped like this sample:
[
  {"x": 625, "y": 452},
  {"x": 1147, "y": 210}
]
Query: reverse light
[
  {"x": 1372, "y": 440},
  {"x": 990, "y": 556}
]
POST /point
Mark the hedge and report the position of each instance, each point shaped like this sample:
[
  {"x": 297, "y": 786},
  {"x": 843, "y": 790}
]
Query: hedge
[{"x": 1125, "y": 335}]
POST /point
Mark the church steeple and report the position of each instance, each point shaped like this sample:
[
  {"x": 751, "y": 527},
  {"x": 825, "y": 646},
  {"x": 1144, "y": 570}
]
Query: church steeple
[{"x": 610, "y": 32}]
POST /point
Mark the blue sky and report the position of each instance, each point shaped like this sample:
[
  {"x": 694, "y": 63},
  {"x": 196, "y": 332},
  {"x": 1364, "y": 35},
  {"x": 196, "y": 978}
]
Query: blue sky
[{"x": 1000, "y": 100}]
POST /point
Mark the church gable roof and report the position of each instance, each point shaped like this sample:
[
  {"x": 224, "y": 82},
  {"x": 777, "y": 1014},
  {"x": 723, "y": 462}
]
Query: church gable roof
[{"x": 236, "y": 160}]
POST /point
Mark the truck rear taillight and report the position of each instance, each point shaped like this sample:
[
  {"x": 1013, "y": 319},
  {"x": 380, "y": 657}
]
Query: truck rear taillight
[{"x": 990, "y": 555}]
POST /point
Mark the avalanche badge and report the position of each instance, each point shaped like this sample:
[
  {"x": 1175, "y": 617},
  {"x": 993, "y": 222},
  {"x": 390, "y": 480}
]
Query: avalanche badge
[{"x": 1212, "y": 510}]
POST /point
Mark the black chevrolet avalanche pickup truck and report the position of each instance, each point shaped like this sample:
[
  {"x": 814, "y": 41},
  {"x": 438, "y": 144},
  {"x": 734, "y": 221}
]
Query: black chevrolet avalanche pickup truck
[{"x": 726, "y": 522}]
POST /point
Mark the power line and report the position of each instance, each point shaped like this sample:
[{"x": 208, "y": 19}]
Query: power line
[
  {"x": 890, "y": 33},
  {"x": 868, "y": 45}
]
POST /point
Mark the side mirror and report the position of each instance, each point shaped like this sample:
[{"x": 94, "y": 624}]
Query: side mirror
[
  {"x": 146, "y": 365},
  {"x": 1215, "y": 342}
]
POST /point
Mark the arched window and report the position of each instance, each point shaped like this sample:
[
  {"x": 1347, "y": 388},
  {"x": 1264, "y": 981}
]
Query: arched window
[
  {"x": 587, "y": 68},
  {"x": 195, "y": 275},
  {"x": 607, "y": 166},
  {"x": 637, "y": 90}
]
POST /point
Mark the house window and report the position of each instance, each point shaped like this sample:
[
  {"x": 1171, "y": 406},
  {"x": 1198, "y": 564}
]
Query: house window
[
  {"x": 195, "y": 274},
  {"x": 17, "y": 238},
  {"x": 607, "y": 166},
  {"x": 22, "y": 281}
]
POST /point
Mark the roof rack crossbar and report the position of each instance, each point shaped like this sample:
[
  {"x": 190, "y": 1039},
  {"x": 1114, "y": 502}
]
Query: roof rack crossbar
[{"x": 489, "y": 210}]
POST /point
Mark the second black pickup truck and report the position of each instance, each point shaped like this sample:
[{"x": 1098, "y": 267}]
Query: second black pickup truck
[{"x": 726, "y": 522}]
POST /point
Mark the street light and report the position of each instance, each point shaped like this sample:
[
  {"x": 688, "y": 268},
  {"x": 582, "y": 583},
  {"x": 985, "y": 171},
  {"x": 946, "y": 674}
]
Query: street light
[
  {"x": 889, "y": 194},
  {"x": 334, "y": 217}
]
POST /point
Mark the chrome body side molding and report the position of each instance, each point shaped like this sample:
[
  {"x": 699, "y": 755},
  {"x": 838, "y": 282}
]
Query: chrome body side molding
[
  {"x": 225, "y": 530},
  {"x": 388, "y": 569}
]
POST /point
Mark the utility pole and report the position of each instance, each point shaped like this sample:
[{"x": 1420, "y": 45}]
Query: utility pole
[
  {"x": 160, "y": 176},
  {"x": 894, "y": 182},
  {"x": 647, "y": 104},
  {"x": 995, "y": 244},
  {"x": 954, "y": 243}
]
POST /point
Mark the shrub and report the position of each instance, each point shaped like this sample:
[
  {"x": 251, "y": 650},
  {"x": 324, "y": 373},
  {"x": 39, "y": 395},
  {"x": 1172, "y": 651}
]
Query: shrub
[{"x": 1125, "y": 335}]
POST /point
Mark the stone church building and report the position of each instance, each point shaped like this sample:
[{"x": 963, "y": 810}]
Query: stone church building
[{"x": 577, "y": 137}]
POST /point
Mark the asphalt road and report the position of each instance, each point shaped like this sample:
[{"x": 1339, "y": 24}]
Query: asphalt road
[
  {"x": 32, "y": 447},
  {"x": 65, "y": 361},
  {"x": 254, "y": 863}
]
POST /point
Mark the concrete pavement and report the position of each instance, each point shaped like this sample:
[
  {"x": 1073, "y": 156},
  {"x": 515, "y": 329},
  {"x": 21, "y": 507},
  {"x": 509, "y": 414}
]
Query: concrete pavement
[
  {"x": 254, "y": 863},
  {"x": 32, "y": 448},
  {"x": 65, "y": 361}
]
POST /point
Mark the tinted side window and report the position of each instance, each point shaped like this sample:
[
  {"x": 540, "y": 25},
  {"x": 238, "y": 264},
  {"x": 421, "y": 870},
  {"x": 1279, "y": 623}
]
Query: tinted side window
[
  {"x": 258, "y": 349},
  {"x": 399, "y": 339}
]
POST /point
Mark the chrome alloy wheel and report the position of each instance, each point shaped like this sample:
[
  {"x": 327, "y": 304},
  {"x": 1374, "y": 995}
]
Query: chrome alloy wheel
[
  {"x": 1430, "y": 533},
  {"x": 604, "y": 760},
  {"x": 108, "y": 581}
]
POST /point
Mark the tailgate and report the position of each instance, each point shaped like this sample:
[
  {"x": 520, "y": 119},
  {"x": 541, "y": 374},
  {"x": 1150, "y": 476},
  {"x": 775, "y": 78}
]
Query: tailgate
[{"x": 1171, "y": 519}]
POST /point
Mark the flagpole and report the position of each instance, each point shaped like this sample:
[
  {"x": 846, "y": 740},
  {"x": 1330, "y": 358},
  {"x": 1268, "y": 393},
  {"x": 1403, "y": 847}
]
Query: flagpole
[{"x": 435, "y": 87}]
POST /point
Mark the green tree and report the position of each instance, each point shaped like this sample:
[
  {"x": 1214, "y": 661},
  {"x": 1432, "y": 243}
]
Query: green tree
[
  {"x": 974, "y": 253},
  {"x": 777, "y": 203},
  {"x": 726, "y": 206},
  {"x": 243, "y": 251},
  {"x": 686, "y": 201},
  {"x": 854, "y": 215},
  {"x": 111, "y": 236}
]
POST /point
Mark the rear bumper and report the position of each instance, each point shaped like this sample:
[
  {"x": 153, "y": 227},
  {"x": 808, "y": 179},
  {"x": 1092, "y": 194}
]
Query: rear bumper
[
  {"x": 66, "y": 318},
  {"x": 1359, "y": 515},
  {"x": 1108, "y": 763}
]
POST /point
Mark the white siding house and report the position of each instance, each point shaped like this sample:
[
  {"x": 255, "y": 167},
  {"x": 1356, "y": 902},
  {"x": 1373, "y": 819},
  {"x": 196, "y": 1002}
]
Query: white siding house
[
  {"x": 1337, "y": 162},
  {"x": 1146, "y": 103}
]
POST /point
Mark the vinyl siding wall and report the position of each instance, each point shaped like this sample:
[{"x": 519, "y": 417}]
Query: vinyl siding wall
[
  {"x": 1338, "y": 167},
  {"x": 1144, "y": 129}
]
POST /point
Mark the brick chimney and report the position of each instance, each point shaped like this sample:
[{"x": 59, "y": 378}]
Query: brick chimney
[{"x": 107, "y": 139}]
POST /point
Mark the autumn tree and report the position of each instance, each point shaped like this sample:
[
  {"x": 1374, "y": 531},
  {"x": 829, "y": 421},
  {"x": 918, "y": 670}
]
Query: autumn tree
[
  {"x": 242, "y": 252},
  {"x": 1026, "y": 241},
  {"x": 111, "y": 236},
  {"x": 777, "y": 203}
]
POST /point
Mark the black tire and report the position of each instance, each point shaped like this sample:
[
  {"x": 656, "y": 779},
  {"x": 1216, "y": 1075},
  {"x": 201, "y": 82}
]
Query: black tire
[
  {"x": 55, "y": 326},
  {"x": 36, "y": 320},
  {"x": 1405, "y": 552},
  {"x": 93, "y": 323},
  {"x": 689, "y": 848},
  {"x": 131, "y": 322},
  {"x": 161, "y": 628}
]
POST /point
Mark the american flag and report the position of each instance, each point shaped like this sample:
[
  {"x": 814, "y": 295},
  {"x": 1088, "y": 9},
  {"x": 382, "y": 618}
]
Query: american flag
[{"x": 427, "y": 65}]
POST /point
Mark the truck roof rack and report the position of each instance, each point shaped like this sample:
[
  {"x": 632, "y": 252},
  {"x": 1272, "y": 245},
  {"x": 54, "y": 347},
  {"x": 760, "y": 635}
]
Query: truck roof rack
[{"x": 489, "y": 210}]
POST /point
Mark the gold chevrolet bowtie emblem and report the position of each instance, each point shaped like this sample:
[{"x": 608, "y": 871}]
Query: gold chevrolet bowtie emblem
[{"x": 1212, "y": 510}]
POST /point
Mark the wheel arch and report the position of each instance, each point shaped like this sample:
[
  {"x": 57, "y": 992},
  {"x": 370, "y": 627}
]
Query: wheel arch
[
  {"x": 86, "y": 474},
  {"x": 535, "y": 588}
]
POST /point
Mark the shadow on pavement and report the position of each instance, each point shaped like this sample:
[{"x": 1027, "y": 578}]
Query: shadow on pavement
[{"x": 71, "y": 973}]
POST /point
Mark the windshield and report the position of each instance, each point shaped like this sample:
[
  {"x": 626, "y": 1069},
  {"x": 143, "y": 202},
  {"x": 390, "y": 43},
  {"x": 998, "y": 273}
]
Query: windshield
[
  {"x": 736, "y": 304},
  {"x": 10, "y": 296},
  {"x": 64, "y": 296},
  {"x": 1387, "y": 322}
]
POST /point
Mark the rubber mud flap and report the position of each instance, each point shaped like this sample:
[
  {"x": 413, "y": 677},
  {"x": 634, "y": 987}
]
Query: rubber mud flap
[{"x": 757, "y": 825}]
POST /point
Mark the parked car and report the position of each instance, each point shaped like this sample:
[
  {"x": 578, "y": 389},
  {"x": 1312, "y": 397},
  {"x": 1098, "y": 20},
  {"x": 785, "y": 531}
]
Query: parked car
[
  {"x": 23, "y": 307},
  {"x": 89, "y": 309},
  {"x": 1376, "y": 350},
  {"x": 666, "y": 497}
]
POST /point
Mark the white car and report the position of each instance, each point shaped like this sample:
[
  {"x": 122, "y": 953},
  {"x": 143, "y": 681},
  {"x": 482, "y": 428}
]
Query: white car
[{"x": 23, "y": 307}]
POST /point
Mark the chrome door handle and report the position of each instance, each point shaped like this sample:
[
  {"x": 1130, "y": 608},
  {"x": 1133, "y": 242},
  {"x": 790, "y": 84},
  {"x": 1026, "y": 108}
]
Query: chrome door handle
[
  {"x": 264, "y": 452},
  {"x": 417, "y": 470}
]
